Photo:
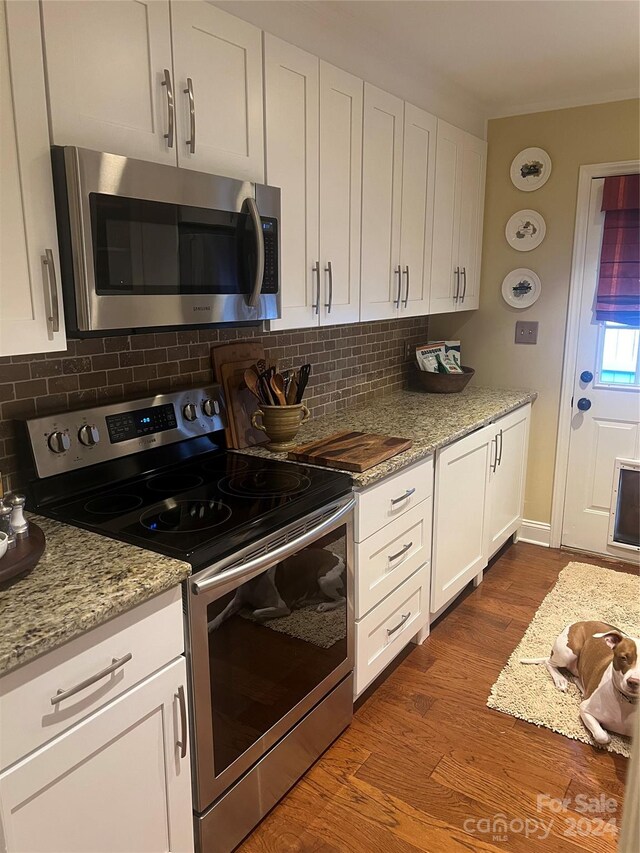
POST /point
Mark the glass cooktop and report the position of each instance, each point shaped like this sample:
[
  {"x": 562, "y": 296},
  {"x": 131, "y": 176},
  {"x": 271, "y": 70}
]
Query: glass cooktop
[{"x": 202, "y": 509}]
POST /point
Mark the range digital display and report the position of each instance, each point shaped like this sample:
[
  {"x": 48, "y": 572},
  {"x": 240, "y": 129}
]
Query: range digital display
[{"x": 129, "y": 425}]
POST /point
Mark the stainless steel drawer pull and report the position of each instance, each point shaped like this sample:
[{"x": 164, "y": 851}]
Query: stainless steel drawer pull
[
  {"x": 192, "y": 115},
  {"x": 171, "y": 109},
  {"x": 499, "y": 455},
  {"x": 53, "y": 309},
  {"x": 405, "y": 616},
  {"x": 115, "y": 664},
  {"x": 182, "y": 743},
  {"x": 406, "y": 495},
  {"x": 402, "y": 551}
]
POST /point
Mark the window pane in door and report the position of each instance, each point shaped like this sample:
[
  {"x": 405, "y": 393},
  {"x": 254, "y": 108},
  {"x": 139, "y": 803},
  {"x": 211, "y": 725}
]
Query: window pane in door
[{"x": 619, "y": 355}]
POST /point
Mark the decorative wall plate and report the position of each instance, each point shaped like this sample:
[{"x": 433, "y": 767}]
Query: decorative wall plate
[
  {"x": 525, "y": 230},
  {"x": 530, "y": 169},
  {"x": 521, "y": 288}
]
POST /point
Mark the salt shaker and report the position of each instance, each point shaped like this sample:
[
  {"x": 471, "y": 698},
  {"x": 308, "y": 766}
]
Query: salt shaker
[
  {"x": 19, "y": 523},
  {"x": 5, "y": 524}
]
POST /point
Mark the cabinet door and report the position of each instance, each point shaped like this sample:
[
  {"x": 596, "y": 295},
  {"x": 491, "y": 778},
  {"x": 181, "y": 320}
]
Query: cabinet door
[
  {"x": 381, "y": 200},
  {"x": 416, "y": 234},
  {"x": 341, "y": 97},
  {"x": 505, "y": 496},
  {"x": 291, "y": 104},
  {"x": 105, "y": 68},
  {"x": 459, "y": 551},
  {"x": 29, "y": 268},
  {"x": 445, "y": 281},
  {"x": 218, "y": 80},
  {"x": 474, "y": 158},
  {"x": 114, "y": 783}
]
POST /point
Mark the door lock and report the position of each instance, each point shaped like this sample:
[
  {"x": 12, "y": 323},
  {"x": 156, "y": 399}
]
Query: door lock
[
  {"x": 584, "y": 404},
  {"x": 586, "y": 376}
]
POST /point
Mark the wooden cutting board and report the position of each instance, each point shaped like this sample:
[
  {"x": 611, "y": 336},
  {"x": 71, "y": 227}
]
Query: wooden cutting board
[
  {"x": 240, "y": 401},
  {"x": 351, "y": 451}
]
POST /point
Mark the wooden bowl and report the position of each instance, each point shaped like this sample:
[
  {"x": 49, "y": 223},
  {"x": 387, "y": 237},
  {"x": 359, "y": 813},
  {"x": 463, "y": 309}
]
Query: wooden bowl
[{"x": 440, "y": 383}]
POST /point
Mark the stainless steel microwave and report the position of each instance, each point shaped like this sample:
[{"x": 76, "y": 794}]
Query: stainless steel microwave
[{"x": 147, "y": 246}]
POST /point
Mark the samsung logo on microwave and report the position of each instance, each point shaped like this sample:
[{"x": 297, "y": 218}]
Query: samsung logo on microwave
[{"x": 201, "y": 308}]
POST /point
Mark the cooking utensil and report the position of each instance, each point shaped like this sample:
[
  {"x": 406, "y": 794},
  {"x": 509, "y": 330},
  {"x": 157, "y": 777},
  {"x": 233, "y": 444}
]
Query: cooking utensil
[
  {"x": 265, "y": 386},
  {"x": 303, "y": 378},
  {"x": 277, "y": 386},
  {"x": 292, "y": 391},
  {"x": 251, "y": 378}
]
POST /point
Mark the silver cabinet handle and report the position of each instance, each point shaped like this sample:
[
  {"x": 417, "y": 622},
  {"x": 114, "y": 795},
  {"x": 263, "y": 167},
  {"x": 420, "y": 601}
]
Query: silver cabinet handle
[
  {"x": 391, "y": 631},
  {"x": 464, "y": 284},
  {"x": 402, "y": 551},
  {"x": 328, "y": 304},
  {"x": 171, "y": 109},
  {"x": 182, "y": 743},
  {"x": 493, "y": 463},
  {"x": 115, "y": 664},
  {"x": 192, "y": 115},
  {"x": 406, "y": 495},
  {"x": 257, "y": 224},
  {"x": 457, "y": 277},
  {"x": 316, "y": 270},
  {"x": 499, "y": 455},
  {"x": 406, "y": 293},
  {"x": 398, "y": 272},
  {"x": 53, "y": 308}
]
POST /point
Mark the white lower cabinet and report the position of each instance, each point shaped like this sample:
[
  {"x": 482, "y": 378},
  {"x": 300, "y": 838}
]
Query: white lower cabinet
[
  {"x": 392, "y": 567},
  {"x": 102, "y": 767},
  {"x": 478, "y": 498}
]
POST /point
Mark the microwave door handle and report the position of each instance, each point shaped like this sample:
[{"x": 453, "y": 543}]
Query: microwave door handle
[
  {"x": 245, "y": 571},
  {"x": 257, "y": 224}
]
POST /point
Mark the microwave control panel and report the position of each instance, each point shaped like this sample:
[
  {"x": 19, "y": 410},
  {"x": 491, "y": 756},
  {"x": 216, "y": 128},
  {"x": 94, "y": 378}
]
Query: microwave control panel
[{"x": 270, "y": 234}]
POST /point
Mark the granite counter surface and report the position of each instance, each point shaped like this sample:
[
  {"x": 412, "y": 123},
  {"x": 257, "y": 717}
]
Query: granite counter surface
[
  {"x": 81, "y": 581},
  {"x": 430, "y": 420}
]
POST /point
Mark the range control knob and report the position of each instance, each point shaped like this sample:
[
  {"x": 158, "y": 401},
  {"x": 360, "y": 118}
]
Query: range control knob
[
  {"x": 190, "y": 412},
  {"x": 89, "y": 435},
  {"x": 59, "y": 441},
  {"x": 211, "y": 407}
]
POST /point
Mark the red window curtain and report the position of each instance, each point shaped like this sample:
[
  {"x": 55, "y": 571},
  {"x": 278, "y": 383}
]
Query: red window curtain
[{"x": 618, "y": 294}]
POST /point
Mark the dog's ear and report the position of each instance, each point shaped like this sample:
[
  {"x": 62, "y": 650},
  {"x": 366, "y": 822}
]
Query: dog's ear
[{"x": 611, "y": 638}]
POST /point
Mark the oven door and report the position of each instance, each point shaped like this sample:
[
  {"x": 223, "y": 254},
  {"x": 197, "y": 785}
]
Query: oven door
[
  {"x": 268, "y": 639},
  {"x": 153, "y": 245}
]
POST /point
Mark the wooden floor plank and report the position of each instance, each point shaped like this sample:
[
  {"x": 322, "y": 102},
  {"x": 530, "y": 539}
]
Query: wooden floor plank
[{"x": 425, "y": 761}]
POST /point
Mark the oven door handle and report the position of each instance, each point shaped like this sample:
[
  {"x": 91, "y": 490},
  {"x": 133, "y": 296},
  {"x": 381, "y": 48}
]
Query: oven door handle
[
  {"x": 257, "y": 224},
  {"x": 253, "y": 567}
]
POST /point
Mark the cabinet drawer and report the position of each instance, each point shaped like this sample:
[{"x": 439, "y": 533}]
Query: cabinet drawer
[
  {"x": 393, "y": 497},
  {"x": 152, "y": 634},
  {"x": 387, "y": 629},
  {"x": 391, "y": 555}
]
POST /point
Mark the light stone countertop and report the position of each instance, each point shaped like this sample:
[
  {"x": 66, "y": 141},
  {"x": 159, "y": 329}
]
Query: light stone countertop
[
  {"x": 430, "y": 420},
  {"x": 82, "y": 580}
]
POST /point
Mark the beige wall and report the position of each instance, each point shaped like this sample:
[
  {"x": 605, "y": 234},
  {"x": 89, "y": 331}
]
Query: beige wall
[{"x": 572, "y": 137}]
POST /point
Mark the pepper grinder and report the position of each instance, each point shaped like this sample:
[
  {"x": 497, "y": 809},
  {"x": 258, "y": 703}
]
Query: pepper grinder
[
  {"x": 19, "y": 523},
  {"x": 5, "y": 524}
]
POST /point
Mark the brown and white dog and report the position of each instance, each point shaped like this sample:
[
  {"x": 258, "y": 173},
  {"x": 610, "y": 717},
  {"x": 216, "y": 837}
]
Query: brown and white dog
[{"x": 605, "y": 664}]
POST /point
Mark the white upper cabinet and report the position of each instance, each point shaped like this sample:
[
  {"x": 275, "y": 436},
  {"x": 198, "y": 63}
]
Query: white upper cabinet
[
  {"x": 292, "y": 149},
  {"x": 218, "y": 91},
  {"x": 31, "y": 317},
  {"x": 458, "y": 217},
  {"x": 380, "y": 282},
  {"x": 418, "y": 184},
  {"x": 106, "y": 65},
  {"x": 340, "y": 194},
  {"x": 313, "y": 153}
]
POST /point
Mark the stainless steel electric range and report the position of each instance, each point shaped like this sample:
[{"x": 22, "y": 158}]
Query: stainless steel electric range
[{"x": 268, "y": 608}]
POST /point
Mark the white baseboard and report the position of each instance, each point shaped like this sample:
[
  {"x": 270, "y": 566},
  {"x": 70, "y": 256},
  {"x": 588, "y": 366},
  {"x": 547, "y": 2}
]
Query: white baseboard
[{"x": 535, "y": 532}]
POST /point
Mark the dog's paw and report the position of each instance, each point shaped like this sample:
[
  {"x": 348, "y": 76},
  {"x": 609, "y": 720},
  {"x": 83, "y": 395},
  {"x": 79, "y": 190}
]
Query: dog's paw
[{"x": 603, "y": 739}]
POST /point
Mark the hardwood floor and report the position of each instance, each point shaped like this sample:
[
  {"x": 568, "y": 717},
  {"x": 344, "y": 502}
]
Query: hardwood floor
[{"x": 426, "y": 766}]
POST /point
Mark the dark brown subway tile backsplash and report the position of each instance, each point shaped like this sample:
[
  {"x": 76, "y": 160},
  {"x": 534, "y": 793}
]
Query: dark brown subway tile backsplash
[{"x": 350, "y": 364}]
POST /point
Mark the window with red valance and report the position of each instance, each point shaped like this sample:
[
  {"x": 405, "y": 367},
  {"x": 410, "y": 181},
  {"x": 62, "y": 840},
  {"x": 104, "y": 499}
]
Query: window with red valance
[{"x": 618, "y": 293}]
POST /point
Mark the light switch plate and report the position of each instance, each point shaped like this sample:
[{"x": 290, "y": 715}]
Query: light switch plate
[{"x": 527, "y": 332}]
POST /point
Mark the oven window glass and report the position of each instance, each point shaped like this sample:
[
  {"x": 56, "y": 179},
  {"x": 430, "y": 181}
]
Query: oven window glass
[
  {"x": 272, "y": 641},
  {"x": 150, "y": 247}
]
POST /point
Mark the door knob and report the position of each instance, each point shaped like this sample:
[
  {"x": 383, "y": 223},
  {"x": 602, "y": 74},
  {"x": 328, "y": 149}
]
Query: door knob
[
  {"x": 584, "y": 404},
  {"x": 586, "y": 376}
]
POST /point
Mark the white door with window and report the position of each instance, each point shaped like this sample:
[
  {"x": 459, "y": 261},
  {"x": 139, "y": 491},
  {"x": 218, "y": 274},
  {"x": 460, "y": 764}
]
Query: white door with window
[{"x": 605, "y": 421}]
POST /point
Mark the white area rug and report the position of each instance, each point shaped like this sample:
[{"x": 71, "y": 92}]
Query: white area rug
[{"x": 581, "y": 592}]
